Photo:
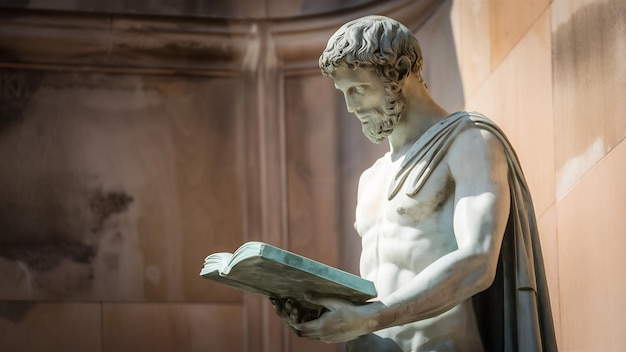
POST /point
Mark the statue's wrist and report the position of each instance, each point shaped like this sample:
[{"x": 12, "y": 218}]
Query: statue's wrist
[{"x": 374, "y": 314}]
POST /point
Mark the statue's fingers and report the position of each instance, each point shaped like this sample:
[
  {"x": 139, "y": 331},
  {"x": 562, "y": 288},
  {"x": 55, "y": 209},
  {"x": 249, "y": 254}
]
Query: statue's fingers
[
  {"x": 294, "y": 315},
  {"x": 289, "y": 304},
  {"x": 276, "y": 304},
  {"x": 279, "y": 308}
]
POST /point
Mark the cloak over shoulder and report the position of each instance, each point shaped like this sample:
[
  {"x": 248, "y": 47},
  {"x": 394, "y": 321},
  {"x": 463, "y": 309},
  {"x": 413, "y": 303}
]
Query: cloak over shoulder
[{"x": 514, "y": 313}]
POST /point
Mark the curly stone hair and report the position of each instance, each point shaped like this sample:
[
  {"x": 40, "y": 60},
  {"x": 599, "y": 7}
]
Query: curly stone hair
[{"x": 375, "y": 42}]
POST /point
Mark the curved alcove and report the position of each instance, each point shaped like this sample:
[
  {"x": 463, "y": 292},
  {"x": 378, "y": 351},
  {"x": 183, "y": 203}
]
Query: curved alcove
[{"x": 187, "y": 37}]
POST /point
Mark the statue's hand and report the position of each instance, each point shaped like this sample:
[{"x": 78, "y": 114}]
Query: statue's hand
[
  {"x": 289, "y": 310},
  {"x": 342, "y": 322}
]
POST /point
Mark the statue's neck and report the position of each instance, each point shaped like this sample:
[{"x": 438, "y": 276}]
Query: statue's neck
[{"x": 415, "y": 120}]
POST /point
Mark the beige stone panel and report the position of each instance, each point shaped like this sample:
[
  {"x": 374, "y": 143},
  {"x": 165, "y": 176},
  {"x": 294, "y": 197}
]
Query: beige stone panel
[
  {"x": 471, "y": 26},
  {"x": 132, "y": 181},
  {"x": 129, "y": 327},
  {"x": 546, "y": 224},
  {"x": 441, "y": 67},
  {"x": 50, "y": 327},
  {"x": 589, "y": 82},
  {"x": 562, "y": 10},
  {"x": 509, "y": 22},
  {"x": 486, "y": 31},
  {"x": 591, "y": 223},
  {"x": 518, "y": 96}
]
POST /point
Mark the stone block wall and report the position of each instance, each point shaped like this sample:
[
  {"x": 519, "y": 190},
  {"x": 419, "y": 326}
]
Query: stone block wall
[{"x": 552, "y": 74}]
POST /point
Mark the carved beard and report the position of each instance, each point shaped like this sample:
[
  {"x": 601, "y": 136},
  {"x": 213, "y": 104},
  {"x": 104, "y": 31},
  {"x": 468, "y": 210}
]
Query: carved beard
[{"x": 383, "y": 119}]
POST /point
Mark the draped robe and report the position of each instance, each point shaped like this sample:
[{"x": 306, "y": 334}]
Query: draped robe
[{"x": 513, "y": 314}]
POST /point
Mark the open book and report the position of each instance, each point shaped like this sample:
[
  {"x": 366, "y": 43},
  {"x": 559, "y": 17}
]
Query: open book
[{"x": 267, "y": 270}]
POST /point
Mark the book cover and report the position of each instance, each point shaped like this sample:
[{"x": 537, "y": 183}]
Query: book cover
[{"x": 263, "y": 269}]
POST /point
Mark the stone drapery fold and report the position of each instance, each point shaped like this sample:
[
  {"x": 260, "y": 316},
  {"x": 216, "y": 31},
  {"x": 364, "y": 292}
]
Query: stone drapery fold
[{"x": 514, "y": 313}]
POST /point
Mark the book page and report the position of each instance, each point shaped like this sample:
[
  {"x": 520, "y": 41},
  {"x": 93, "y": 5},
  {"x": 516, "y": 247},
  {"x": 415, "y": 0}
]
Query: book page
[
  {"x": 248, "y": 250},
  {"x": 216, "y": 262}
]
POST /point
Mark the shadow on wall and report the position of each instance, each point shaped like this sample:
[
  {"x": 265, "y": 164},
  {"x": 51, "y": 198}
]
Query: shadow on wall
[
  {"x": 441, "y": 65},
  {"x": 581, "y": 74}
]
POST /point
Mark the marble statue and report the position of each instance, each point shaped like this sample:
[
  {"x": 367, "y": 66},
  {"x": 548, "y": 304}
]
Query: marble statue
[{"x": 446, "y": 220}]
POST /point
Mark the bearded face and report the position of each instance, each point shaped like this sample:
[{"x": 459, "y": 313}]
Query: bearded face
[
  {"x": 376, "y": 101},
  {"x": 382, "y": 120}
]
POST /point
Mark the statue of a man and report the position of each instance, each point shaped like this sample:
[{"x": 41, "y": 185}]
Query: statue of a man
[{"x": 447, "y": 225}]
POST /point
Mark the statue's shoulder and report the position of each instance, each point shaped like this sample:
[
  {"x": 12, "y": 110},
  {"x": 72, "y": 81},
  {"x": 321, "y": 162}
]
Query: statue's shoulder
[
  {"x": 477, "y": 143},
  {"x": 474, "y": 125},
  {"x": 471, "y": 140},
  {"x": 467, "y": 126},
  {"x": 375, "y": 169}
]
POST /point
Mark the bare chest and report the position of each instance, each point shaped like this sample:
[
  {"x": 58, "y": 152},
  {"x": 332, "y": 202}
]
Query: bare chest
[
  {"x": 402, "y": 236},
  {"x": 419, "y": 212}
]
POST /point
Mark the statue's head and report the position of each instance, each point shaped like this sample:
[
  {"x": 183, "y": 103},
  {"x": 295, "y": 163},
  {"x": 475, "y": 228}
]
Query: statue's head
[
  {"x": 374, "y": 42},
  {"x": 383, "y": 46}
]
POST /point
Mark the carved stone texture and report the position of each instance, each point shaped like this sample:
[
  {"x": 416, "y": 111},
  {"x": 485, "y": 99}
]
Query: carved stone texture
[
  {"x": 154, "y": 46},
  {"x": 16, "y": 89},
  {"x": 178, "y": 45},
  {"x": 231, "y": 9},
  {"x": 112, "y": 184}
]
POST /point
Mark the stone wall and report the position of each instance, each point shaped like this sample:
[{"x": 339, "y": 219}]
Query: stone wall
[{"x": 552, "y": 74}]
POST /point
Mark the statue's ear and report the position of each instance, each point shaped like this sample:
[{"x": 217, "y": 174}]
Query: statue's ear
[{"x": 403, "y": 68}]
